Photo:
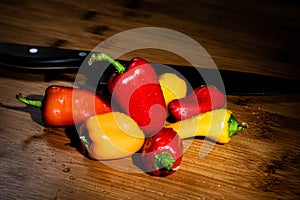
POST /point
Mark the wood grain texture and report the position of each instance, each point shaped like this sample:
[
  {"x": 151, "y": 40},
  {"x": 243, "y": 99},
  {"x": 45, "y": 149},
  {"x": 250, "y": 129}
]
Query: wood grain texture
[{"x": 261, "y": 162}]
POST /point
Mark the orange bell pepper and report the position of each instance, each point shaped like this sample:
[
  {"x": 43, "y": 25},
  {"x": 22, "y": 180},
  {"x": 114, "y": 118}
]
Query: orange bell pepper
[{"x": 111, "y": 136}]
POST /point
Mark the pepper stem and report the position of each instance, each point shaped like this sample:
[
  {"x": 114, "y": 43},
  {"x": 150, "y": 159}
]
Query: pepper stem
[
  {"x": 104, "y": 57},
  {"x": 85, "y": 141},
  {"x": 35, "y": 103},
  {"x": 234, "y": 126},
  {"x": 163, "y": 160}
]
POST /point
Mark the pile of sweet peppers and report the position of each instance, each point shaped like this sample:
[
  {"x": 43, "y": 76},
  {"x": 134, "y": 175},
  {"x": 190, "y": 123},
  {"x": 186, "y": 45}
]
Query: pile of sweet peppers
[{"x": 139, "y": 122}]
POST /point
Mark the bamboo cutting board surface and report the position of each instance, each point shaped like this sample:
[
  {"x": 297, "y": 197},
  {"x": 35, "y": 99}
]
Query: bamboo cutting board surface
[{"x": 261, "y": 162}]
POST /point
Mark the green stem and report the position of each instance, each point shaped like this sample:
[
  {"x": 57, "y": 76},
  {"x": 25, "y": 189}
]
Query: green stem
[
  {"x": 85, "y": 141},
  {"x": 163, "y": 160},
  {"x": 104, "y": 57},
  {"x": 35, "y": 103},
  {"x": 234, "y": 126}
]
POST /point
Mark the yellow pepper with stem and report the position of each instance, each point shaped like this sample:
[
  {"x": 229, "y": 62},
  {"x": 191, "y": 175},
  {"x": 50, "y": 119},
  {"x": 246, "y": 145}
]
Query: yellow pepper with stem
[
  {"x": 219, "y": 125},
  {"x": 111, "y": 136}
]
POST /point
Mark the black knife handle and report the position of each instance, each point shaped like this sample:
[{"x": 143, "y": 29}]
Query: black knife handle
[{"x": 37, "y": 57}]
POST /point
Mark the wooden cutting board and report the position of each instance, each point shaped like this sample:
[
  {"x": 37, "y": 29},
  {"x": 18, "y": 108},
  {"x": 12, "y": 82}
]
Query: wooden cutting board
[{"x": 261, "y": 162}]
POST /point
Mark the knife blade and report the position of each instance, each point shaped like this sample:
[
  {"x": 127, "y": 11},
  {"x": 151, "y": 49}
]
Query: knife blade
[{"x": 41, "y": 59}]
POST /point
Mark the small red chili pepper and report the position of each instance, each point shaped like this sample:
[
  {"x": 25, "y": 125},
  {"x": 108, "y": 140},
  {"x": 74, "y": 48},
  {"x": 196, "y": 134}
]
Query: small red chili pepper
[
  {"x": 137, "y": 90},
  {"x": 65, "y": 106},
  {"x": 202, "y": 99},
  {"x": 162, "y": 153}
]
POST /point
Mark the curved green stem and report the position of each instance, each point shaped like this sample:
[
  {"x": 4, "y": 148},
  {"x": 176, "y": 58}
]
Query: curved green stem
[
  {"x": 35, "y": 103},
  {"x": 104, "y": 57},
  {"x": 163, "y": 160},
  {"x": 234, "y": 126}
]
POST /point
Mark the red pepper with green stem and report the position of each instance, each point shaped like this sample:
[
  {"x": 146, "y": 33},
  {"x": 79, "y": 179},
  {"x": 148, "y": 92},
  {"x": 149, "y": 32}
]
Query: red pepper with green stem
[
  {"x": 202, "y": 99},
  {"x": 162, "y": 153},
  {"x": 137, "y": 90},
  {"x": 65, "y": 106}
]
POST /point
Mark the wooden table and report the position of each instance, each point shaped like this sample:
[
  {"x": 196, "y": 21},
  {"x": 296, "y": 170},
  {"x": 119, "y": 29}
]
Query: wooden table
[{"x": 261, "y": 162}]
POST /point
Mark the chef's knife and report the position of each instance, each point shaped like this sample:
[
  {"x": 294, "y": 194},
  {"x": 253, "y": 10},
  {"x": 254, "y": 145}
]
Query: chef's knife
[{"x": 38, "y": 59}]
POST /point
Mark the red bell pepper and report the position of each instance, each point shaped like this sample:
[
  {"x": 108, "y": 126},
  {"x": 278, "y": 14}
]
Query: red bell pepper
[
  {"x": 162, "y": 153},
  {"x": 64, "y": 106},
  {"x": 202, "y": 99},
  {"x": 137, "y": 90}
]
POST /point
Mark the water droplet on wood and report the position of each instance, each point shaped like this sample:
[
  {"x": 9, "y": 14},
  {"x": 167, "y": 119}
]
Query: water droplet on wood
[{"x": 67, "y": 169}]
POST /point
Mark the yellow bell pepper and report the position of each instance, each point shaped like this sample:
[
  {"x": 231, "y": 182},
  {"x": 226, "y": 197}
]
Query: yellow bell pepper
[
  {"x": 173, "y": 87},
  {"x": 219, "y": 125},
  {"x": 111, "y": 136}
]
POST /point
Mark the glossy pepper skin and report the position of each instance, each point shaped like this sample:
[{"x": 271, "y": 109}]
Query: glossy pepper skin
[
  {"x": 111, "y": 135},
  {"x": 162, "y": 153},
  {"x": 173, "y": 87},
  {"x": 202, "y": 99},
  {"x": 65, "y": 106},
  {"x": 137, "y": 91},
  {"x": 219, "y": 125}
]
